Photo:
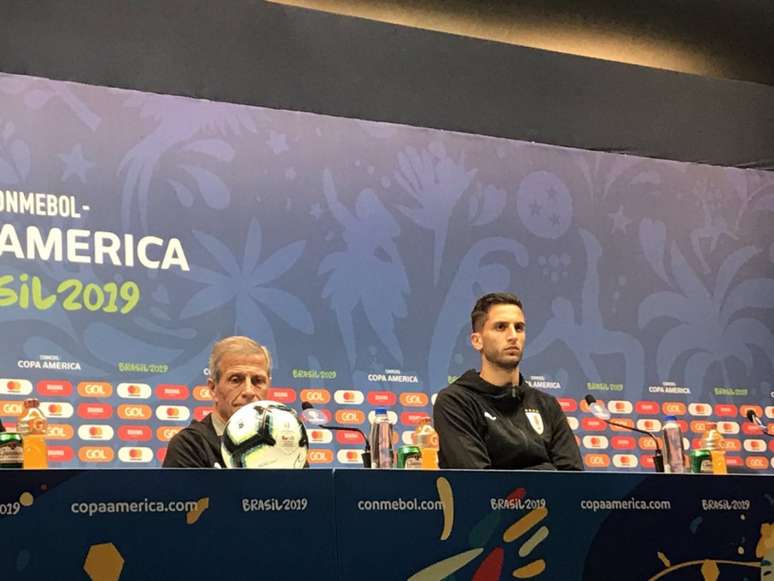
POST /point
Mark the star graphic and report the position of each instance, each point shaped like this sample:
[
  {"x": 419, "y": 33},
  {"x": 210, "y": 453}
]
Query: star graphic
[
  {"x": 551, "y": 193},
  {"x": 554, "y": 219},
  {"x": 316, "y": 211},
  {"x": 277, "y": 142},
  {"x": 535, "y": 208},
  {"x": 620, "y": 222},
  {"x": 75, "y": 164}
]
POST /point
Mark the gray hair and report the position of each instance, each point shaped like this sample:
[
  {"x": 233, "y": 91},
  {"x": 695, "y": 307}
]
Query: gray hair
[{"x": 235, "y": 344}]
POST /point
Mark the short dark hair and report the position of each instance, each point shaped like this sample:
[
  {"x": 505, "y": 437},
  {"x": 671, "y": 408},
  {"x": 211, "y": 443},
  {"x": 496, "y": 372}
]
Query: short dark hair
[{"x": 479, "y": 312}]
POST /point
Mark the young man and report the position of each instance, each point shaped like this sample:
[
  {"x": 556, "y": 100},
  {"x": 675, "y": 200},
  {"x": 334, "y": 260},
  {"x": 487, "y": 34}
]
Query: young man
[
  {"x": 492, "y": 418},
  {"x": 240, "y": 372}
]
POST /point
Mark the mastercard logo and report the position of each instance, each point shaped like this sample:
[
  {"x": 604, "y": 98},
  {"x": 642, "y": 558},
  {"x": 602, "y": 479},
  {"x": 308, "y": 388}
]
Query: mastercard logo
[
  {"x": 619, "y": 406},
  {"x": 593, "y": 424},
  {"x": 320, "y": 436},
  {"x": 625, "y": 461},
  {"x": 51, "y": 388},
  {"x": 173, "y": 413},
  {"x": 623, "y": 442},
  {"x": 203, "y": 393},
  {"x": 628, "y": 422},
  {"x": 128, "y": 411},
  {"x": 96, "y": 454},
  {"x": 286, "y": 395},
  {"x": 348, "y": 397},
  {"x": 649, "y": 425},
  {"x": 60, "y": 454},
  {"x": 95, "y": 411},
  {"x": 769, "y": 411},
  {"x": 166, "y": 433},
  {"x": 414, "y": 399},
  {"x": 350, "y": 417},
  {"x": 754, "y": 446},
  {"x": 728, "y": 427},
  {"x": 573, "y": 421},
  {"x": 95, "y": 389},
  {"x": 699, "y": 409},
  {"x": 674, "y": 408},
  {"x": 135, "y": 433},
  {"x": 407, "y": 438},
  {"x": 595, "y": 442},
  {"x": 567, "y": 404},
  {"x": 139, "y": 455},
  {"x": 382, "y": 398},
  {"x": 172, "y": 391},
  {"x": 596, "y": 460},
  {"x": 320, "y": 456},
  {"x": 60, "y": 432},
  {"x": 647, "y": 407},
  {"x": 57, "y": 410},
  {"x": 725, "y": 410},
  {"x": 757, "y": 462},
  {"x": 15, "y": 387},
  {"x": 95, "y": 432},
  {"x": 349, "y": 457},
  {"x": 134, "y": 390},
  {"x": 349, "y": 438},
  {"x": 11, "y": 409}
]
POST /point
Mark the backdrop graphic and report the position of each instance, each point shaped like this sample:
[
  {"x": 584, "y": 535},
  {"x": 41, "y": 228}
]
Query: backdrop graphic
[{"x": 139, "y": 228}]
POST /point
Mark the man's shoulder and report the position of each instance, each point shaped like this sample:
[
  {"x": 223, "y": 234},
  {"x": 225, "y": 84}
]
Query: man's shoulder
[
  {"x": 196, "y": 429},
  {"x": 535, "y": 396}
]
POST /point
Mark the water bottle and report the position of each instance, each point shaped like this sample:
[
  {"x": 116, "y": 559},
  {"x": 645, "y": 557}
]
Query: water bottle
[
  {"x": 381, "y": 440},
  {"x": 673, "y": 446}
]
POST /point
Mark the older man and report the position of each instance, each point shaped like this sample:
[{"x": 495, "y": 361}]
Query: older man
[{"x": 240, "y": 372}]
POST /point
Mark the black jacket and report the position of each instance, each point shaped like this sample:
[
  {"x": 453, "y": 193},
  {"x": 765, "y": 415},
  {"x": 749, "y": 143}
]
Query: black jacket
[
  {"x": 481, "y": 425},
  {"x": 195, "y": 446}
]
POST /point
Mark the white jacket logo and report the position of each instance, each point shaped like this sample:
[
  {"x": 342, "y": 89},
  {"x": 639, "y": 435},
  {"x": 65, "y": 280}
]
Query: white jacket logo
[
  {"x": 489, "y": 416},
  {"x": 535, "y": 420}
]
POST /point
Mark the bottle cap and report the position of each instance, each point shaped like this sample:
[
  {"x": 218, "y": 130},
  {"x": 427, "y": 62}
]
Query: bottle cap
[
  {"x": 380, "y": 411},
  {"x": 670, "y": 418}
]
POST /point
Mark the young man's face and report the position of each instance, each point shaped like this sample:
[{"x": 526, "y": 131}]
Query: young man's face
[
  {"x": 501, "y": 339},
  {"x": 243, "y": 379}
]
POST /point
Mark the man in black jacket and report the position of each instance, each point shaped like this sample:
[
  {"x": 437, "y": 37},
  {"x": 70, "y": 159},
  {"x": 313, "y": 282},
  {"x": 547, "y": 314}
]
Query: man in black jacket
[
  {"x": 240, "y": 372},
  {"x": 493, "y": 418}
]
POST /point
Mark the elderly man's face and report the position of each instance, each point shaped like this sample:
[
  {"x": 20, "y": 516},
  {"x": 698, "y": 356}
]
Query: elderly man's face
[{"x": 243, "y": 379}]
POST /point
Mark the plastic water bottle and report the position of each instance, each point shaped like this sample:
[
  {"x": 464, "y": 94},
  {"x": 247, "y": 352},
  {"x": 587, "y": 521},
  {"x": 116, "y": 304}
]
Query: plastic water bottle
[
  {"x": 673, "y": 446},
  {"x": 33, "y": 426},
  {"x": 426, "y": 438},
  {"x": 382, "y": 455}
]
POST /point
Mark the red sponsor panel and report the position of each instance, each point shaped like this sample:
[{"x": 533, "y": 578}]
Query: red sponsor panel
[
  {"x": 350, "y": 417},
  {"x": 757, "y": 462},
  {"x": 700, "y": 426},
  {"x": 200, "y": 412},
  {"x": 161, "y": 453},
  {"x": 59, "y": 432},
  {"x": 411, "y": 418},
  {"x": 10, "y": 408},
  {"x": 623, "y": 442},
  {"x": 725, "y": 410},
  {"x": 172, "y": 391},
  {"x": 747, "y": 407},
  {"x": 95, "y": 411},
  {"x": 734, "y": 462},
  {"x": 647, "y": 407},
  {"x": 623, "y": 421},
  {"x": 315, "y": 396},
  {"x": 95, "y": 389},
  {"x": 674, "y": 408},
  {"x": 320, "y": 456},
  {"x": 132, "y": 411},
  {"x": 731, "y": 444},
  {"x": 349, "y": 438},
  {"x": 646, "y": 443},
  {"x": 593, "y": 425},
  {"x": 203, "y": 393},
  {"x": 166, "y": 433},
  {"x": 135, "y": 433},
  {"x": 287, "y": 395},
  {"x": 97, "y": 454},
  {"x": 60, "y": 454},
  {"x": 647, "y": 462},
  {"x": 596, "y": 460},
  {"x": 750, "y": 429},
  {"x": 567, "y": 404},
  {"x": 683, "y": 426},
  {"x": 54, "y": 388},
  {"x": 414, "y": 399},
  {"x": 382, "y": 398}
]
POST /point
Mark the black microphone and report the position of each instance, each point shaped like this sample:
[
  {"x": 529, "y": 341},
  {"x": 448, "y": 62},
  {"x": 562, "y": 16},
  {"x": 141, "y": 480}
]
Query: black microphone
[
  {"x": 317, "y": 418},
  {"x": 600, "y": 412},
  {"x": 2, "y": 427},
  {"x": 754, "y": 419}
]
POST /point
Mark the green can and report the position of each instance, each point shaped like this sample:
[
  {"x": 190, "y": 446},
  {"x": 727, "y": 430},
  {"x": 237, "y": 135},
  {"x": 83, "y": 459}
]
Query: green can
[
  {"x": 11, "y": 450},
  {"x": 701, "y": 461},
  {"x": 409, "y": 457}
]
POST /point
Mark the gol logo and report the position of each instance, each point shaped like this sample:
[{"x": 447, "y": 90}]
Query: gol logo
[
  {"x": 593, "y": 424},
  {"x": 756, "y": 408},
  {"x": 595, "y": 442},
  {"x": 315, "y": 395},
  {"x": 96, "y": 454},
  {"x": 95, "y": 432},
  {"x": 619, "y": 406},
  {"x": 348, "y": 397},
  {"x": 286, "y": 395},
  {"x": 203, "y": 393},
  {"x": 349, "y": 457},
  {"x": 173, "y": 413},
  {"x": 60, "y": 454},
  {"x": 134, "y": 390},
  {"x": 567, "y": 404},
  {"x": 728, "y": 427},
  {"x": 57, "y": 410},
  {"x": 95, "y": 411},
  {"x": 754, "y": 446},
  {"x": 135, "y": 455},
  {"x": 349, "y": 437},
  {"x": 320, "y": 456},
  {"x": 95, "y": 389},
  {"x": 51, "y": 388},
  {"x": 757, "y": 462},
  {"x": 624, "y": 422},
  {"x": 15, "y": 387},
  {"x": 411, "y": 418},
  {"x": 171, "y": 391},
  {"x": 414, "y": 399},
  {"x": 573, "y": 421},
  {"x": 382, "y": 398},
  {"x": 625, "y": 461},
  {"x": 166, "y": 433},
  {"x": 731, "y": 444},
  {"x": 127, "y": 411},
  {"x": 351, "y": 417},
  {"x": 699, "y": 409},
  {"x": 649, "y": 425},
  {"x": 596, "y": 460},
  {"x": 726, "y": 410},
  {"x": 674, "y": 408},
  {"x": 698, "y": 426},
  {"x": 320, "y": 436},
  {"x": 623, "y": 443},
  {"x": 647, "y": 443},
  {"x": 135, "y": 433},
  {"x": 11, "y": 408},
  {"x": 60, "y": 432},
  {"x": 647, "y": 407}
]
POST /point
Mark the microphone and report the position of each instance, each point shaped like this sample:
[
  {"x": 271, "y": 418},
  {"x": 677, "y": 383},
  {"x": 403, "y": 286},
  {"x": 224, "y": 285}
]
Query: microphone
[
  {"x": 2, "y": 427},
  {"x": 316, "y": 417},
  {"x": 601, "y": 412},
  {"x": 754, "y": 419}
]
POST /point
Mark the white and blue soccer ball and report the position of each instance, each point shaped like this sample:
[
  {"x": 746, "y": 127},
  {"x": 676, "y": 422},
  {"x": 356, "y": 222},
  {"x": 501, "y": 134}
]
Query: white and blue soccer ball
[{"x": 264, "y": 434}]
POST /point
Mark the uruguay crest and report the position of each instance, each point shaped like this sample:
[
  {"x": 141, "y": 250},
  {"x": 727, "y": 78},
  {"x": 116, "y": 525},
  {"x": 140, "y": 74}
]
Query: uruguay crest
[{"x": 535, "y": 420}]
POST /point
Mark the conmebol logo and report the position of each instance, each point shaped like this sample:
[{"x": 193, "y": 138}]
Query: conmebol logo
[
  {"x": 172, "y": 391},
  {"x": 95, "y": 389},
  {"x": 134, "y": 390},
  {"x": 349, "y": 456},
  {"x": 54, "y": 388},
  {"x": 95, "y": 411},
  {"x": 15, "y": 387},
  {"x": 348, "y": 397},
  {"x": 128, "y": 411},
  {"x": 414, "y": 399},
  {"x": 135, "y": 433},
  {"x": 173, "y": 413},
  {"x": 625, "y": 461},
  {"x": 56, "y": 409},
  {"x": 135, "y": 455},
  {"x": 96, "y": 454},
  {"x": 95, "y": 432},
  {"x": 282, "y": 394}
]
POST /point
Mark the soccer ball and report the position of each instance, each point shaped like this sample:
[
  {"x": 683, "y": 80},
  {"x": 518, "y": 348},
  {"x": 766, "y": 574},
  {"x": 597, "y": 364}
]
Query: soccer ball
[{"x": 264, "y": 434}]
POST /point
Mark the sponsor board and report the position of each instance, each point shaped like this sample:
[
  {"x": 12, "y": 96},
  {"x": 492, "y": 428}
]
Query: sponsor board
[
  {"x": 98, "y": 454},
  {"x": 725, "y": 410},
  {"x": 95, "y": 389},
  {"x": 414, "y": 399},
  {"x": 315, "y": 396},
  {"x": 647, "y": 407},
  {"x": 625, "y": 461},
  {"x": 350, "y": 457},
  {"x": 173, "y": 413},
  {"x": 15, "y": 387},
  {"x": 203, "y": 393},
  {"x": 674, "y": 408},
  {"x": 60, "y": 432},
  {"x": 595, "y": 461},
  {"x": 54, "y": 388},
  {"x": 348, "y": 397},
  {"x": 728, "y": 427},
  {"x": 95, "y": 432},
  {"x": 166, "y": 433},
  {"x": 567, "y": 404},
  {"x": 95, "y": 411},
  {"x": 382, "y": 398},
  {"x": 127, "y": 411},
  {"x": 349, "y": 437},
  {"x": 319, "y": 436},
  {"x": 54, "y": 409},
  {"x": 595, "y": 442},
  {"x": 135, "y": 455},
  {"x": 172, "y": 391},
  {"x": 391, "y": 415},
  {"x": 284, "y": 395},
  {"x": 60, "y": 454},
  {"x": 700, "y": 409},
  {"x": 134, "y": 390},
  {"x": 131, "y": 433},
  {"x": 320, "y": 456},
  {"x": 350, "y": 417},
  {"x": 619, "y": 406}
]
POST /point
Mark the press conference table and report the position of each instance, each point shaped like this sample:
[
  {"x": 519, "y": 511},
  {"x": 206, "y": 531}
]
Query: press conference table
[{"x": 377, "y": 524}]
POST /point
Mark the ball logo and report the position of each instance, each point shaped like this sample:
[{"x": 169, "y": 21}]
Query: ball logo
[
  {"x": 382, "y": 398},
  {"x": 171, "y": 391},
  {"x": 15, "y": 387},
  {"x": 51, "y": 388},
  {"x": 166, "y": 433},
  {"x": 57, "y": 410},
  {"x": 95, "y": 432},
  {"x": 348, "y": 397},
  {"x": 647, "y": 407},
  {"x": 134, "y": 455},
  {"x": 315, "y": 396},
  {"x": 414, "y": 399},
  {"x": 173, "y": 413},
  {"x": 649, "y": 425},
  {"x": 128, "y": 411},
  {"x": 625, "y": 461},
  {"x": 95, "y": 389},
  {"x": 284, "y": 395},
  {"x": 674, "y": 408},
  {"x": 60, "y": 432},
  {"x": 135, "y": 433},
  {"x": 754, "y": 446},
  {"x": 203, "y": 393},
  {"x": 349, "y": 438},
  {"x": 567, "y": 404},
  {"x": 134, "y": 390},
  {"x": 349, "y": 457},
  {"x": 728, "y": 427},
  {"x": 623, "y": 443},
  {"x": 96, "y": 454},
  {"x": 595, "y": 442},
  {"x": 757, "y": 462},
  {"x": 60, "y": 454},
  {"x": 320, "y": 456},
  {"x": 11, "y": 408},
  {"x": 350, "y": 417},
  {"x": 320, "y": 436},
  {"x": 619, "y": 406},
  {"x": 596, "y": 460},
  {"x": 95, "y": 411},
  {"x": 699, "y": 409}
]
